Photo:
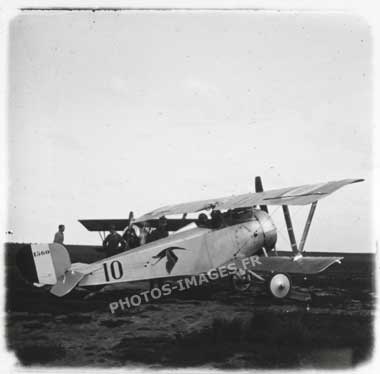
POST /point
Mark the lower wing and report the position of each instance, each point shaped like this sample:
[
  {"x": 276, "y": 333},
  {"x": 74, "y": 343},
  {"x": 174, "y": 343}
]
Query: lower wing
[{"x": 284, "y": 264}]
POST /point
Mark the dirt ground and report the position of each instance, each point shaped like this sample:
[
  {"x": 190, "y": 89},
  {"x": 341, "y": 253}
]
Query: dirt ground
[{"x": 211, "y": 326}]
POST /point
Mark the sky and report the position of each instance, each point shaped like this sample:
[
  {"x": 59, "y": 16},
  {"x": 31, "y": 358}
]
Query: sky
[{"x": 116, "y": 111}]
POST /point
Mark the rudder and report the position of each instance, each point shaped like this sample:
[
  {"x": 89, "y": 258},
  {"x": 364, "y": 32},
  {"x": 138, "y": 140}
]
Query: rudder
[{"x": 43, "y": 263}]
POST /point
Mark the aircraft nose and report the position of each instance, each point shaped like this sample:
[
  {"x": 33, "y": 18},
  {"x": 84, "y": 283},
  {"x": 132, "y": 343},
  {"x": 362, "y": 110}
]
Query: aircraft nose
[{"x": 25, "y": 264}]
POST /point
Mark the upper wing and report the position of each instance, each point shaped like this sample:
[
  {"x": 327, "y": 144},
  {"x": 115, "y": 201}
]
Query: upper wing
[
  {"x": 173, "y": 224},
  {"x": 104, "y": 224},
  {"x": 300, "y": 195}
]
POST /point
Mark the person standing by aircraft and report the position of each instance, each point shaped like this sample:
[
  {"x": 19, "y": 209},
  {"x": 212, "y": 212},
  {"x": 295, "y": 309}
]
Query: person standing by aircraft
[
  {"x": 113, "y": 243},
  {"x": 59, "y": 237}
]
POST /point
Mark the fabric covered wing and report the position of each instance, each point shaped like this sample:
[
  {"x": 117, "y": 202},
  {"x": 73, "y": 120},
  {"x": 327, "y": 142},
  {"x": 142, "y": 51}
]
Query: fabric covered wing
[
  {"x": 173, "y": 224},
  {"x": 301, "y": 195},
  {"x": 104, "y": 224},
  {"x": 303, "y": 265}
]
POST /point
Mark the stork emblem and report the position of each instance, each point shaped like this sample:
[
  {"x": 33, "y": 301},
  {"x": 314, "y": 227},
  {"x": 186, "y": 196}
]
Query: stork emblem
[{"x": 171, "y": 258}]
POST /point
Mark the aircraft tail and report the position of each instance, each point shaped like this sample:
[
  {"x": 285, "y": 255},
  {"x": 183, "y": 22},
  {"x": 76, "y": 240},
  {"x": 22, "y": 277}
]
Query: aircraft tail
[
  {"x": 43, "y": 264},
  {"x": 49, "y": 265}
]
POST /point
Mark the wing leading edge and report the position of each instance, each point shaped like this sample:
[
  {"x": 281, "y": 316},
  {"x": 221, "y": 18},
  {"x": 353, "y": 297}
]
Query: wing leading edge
[
  {"x": 173, "y": 224},
  {"x": 300, "y": 195}
]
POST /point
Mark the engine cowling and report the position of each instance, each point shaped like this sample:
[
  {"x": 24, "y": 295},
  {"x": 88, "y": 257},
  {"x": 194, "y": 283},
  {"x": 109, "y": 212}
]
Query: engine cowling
[
  {"x": 255, "y": 232},
  {"x": 268, "y": 229}
]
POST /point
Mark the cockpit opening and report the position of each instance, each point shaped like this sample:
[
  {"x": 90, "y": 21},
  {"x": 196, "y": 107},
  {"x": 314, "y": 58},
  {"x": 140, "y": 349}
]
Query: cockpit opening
[{"x": 230, "y": 217}]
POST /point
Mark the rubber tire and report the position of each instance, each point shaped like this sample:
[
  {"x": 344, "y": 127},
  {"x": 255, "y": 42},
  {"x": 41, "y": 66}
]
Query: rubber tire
[{"x": 270, "y": 282}]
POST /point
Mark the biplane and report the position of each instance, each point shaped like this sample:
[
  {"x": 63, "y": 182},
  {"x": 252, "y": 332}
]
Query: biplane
[{"x": 239, "y": 227}]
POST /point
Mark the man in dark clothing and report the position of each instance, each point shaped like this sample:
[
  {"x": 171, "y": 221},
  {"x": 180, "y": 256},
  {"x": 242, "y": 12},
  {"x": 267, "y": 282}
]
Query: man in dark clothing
[
  {"x": 113, "y": 243},
  {"x": 160, "y": 232},
  {"x": 59, "y": 237},
  {"x": 131, "y": 238},
  {"x": 217, "y": 219},
  {"x": 203, "y": 220}
]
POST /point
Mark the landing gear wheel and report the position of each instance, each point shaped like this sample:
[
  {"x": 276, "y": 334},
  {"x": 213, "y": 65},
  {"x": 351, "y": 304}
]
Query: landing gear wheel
[
  {"x": 241, "y": 281},
  {"x": 279, "y": 285}
]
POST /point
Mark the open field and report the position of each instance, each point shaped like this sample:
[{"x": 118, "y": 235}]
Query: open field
[{"x": 208, "y": 326}]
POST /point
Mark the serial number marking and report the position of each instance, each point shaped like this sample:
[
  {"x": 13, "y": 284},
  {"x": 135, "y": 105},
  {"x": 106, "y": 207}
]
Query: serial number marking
[{"x": 41, "y": 253}]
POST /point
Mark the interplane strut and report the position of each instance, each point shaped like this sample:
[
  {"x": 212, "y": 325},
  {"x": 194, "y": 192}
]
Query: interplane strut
[{"x": 289, "y": 226}]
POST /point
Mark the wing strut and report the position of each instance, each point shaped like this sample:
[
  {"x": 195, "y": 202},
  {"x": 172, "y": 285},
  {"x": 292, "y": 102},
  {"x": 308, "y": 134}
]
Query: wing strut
[
  {"x": 307, "y": 225},
  {"x": 289, "y": 226},
  {"x": 102, "y": 235}
]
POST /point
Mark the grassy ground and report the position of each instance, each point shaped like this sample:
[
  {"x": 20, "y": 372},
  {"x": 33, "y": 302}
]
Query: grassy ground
[{"x": 209, "y": 326}]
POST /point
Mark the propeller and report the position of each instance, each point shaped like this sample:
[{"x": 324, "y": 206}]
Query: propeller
[
  {"x": 259, "y": 188},
  {"x": 130, "y": 218}
]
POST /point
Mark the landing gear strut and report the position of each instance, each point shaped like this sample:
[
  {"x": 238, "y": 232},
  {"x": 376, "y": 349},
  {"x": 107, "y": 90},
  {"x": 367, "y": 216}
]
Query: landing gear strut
[{"x": 241, "y": 280}]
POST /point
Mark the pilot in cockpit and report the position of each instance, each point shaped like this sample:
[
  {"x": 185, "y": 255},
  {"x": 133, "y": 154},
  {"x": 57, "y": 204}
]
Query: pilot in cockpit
[
  {"x": 217, "y": 220},
  {"x": 113, "y": 243},
  {"x": 131, "y": 238},
  {"x": 203, "y": 220},
  {"x": 160, "y": 232}
]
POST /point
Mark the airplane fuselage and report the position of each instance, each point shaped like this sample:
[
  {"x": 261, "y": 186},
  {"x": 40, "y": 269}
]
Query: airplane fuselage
[{"x": 188, "y": 252}]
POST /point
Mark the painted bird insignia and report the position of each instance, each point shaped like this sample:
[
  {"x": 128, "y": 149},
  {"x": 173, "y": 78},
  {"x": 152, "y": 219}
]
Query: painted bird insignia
[{"x": 171, "y": 258}]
